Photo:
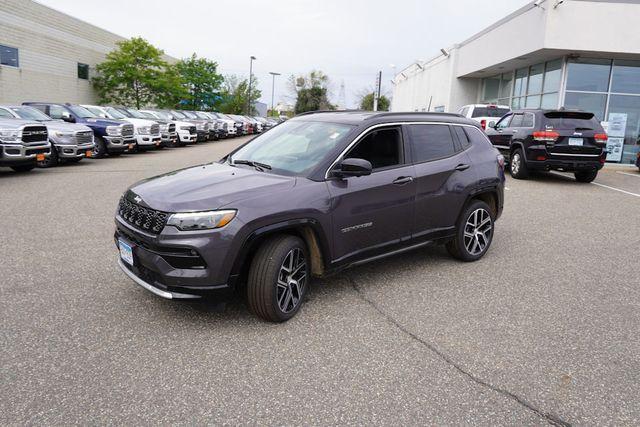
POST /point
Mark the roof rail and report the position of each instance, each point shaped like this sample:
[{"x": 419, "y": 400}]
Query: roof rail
[
  {"x": 306, "y": 113},
  {"x": 414, "y": 113}
]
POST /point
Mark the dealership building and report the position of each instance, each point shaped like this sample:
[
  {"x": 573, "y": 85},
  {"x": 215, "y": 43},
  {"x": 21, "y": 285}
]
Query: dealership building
[
  {"x": 46, "y": 55},
  {"x": 579, "y": 54}
]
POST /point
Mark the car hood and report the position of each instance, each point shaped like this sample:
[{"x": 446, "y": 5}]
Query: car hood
[
  {"x": 62, "y": 126},
  {"x": 102, "y": 122},
  {"x": 206, "y": 187},
  {"x": 140, "y": 122},
  {"x": 183, "y": 123}
]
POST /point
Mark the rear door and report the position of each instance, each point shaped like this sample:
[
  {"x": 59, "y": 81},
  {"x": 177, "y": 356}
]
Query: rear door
[
  {"x": 371, "y": 213},
  {"x": 444, "y": 174},
  {"x": 576, "y": 134}
]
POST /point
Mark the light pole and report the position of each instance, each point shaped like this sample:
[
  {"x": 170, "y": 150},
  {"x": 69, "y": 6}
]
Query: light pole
[
  {"x": 273, "y": 87},
  {"x": 250, "y": 77}
]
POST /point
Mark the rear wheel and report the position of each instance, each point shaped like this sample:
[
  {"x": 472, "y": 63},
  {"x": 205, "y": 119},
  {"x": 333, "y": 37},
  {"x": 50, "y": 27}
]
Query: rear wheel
[
  {"x": 23, "y": 168},
  {"x": 518, "y": 165},
  {"x": 586, "y": 176},
  {"x": 474, "y": 233},
  {"x": 278, "y": 278}
]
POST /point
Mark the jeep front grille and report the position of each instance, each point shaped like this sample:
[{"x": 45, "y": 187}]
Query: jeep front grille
[
  {"x": 141, "y": 217},
  {"x": 34, "y": 134}
]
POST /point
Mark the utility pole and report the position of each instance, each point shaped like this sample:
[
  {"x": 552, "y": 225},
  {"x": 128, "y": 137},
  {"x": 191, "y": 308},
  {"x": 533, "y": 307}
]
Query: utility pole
[
  {"x": 273, "y": 87},
  {"x": 376, "y": 95},
  {"x": 250, "y": 77}
]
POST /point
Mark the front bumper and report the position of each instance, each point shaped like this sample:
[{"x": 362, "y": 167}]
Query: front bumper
[
  {"x": 155, "y": 266},
  {"x": 67, "y": 151},
  {"x": 203, "y": 135},
  {"x": 16, "y": 154},
  {"x": 118, "y": 143},
  {"x": 187, "y": 137},
  {"x": 169, "y": 139},
  {"x": 148, "y": 141}
]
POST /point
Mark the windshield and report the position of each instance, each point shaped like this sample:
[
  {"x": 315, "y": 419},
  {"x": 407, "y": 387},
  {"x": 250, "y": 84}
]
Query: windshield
[
  {"x": 147, "y": 115},
  {"x": 295, "y": 148},
  {"x": 162, "y": 114},
  {"x": 178, "y": 114},
  {"x": 96, "y": 111},
  {"x": 115, "y": 113},
  {"x": 203, "y": 116},
  {"x": 30, "y": 113},
  {"x": 489, "y": 112},
  {"x": 81, "y": 112},
  {"x": 189, "y": 114},
  {"x": 137, "y": 114}
]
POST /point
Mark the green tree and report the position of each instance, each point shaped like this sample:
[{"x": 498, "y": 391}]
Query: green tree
[
  {"x": 136, "y": 74},
  {"x": 201, "y": 81},
  {"x": 366, "y": 103},
  {"x": 311, "y": 92},
  {"x": 235, "y": 95}
]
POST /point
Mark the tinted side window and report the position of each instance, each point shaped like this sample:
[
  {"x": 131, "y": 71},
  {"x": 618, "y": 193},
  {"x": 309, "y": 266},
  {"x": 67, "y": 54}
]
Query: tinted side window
[
  {"x": 381, "y": 147},
  {"x": 55, "y": 111},
  {"x": 476, "y": 136},
  {"x": 462, "y": 137},
  {"x": 527, "y": 120},
  {"x": 430, "y": 142},
  {"x": 517, "y": 121}
]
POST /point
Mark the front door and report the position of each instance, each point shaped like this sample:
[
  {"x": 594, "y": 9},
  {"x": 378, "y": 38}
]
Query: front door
[
  {"x": 501, "y": 135},
  {"x": 372, "y": 213}
]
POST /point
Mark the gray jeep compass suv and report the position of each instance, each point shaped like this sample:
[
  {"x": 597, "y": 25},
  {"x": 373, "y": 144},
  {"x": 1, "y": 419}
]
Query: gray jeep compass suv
[{"x": 316, "y": 194}]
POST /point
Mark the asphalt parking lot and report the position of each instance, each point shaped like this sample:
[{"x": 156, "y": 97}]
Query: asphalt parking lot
[{"x": 544, "y": 329}]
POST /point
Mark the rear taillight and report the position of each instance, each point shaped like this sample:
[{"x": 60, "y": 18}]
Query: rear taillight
[
  {"x": 601, "y": 138},
  {"x": 483, "y": 123},
  {"x": 546, "y": 136}
]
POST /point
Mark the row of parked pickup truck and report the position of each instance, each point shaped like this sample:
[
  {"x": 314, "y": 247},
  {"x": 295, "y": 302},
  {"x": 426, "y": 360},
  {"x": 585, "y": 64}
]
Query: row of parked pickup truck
[{"x": 45, "y": 134}]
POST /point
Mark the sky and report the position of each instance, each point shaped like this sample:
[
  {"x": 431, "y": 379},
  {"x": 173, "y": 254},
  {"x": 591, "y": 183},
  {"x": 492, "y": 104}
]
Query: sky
[{"x": 349, "y": 40}]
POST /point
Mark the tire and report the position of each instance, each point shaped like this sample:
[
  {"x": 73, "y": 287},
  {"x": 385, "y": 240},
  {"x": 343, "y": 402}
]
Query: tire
[
  {"x": 273, "y": 294},
  {"x": 586, "y": 176},
  {"x": 23, "y": 168},
  {"x": 100, "y": 149},
  {"x": 474, "y": 232},
  {"x": 518, "y": 165},
  {"x": 50, "y": 161}
]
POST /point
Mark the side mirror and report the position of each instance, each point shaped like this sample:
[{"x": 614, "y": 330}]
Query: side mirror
[
  {"x": 68, "y": 117},
  {"x": 492, "y": 124},
  {"x": 353, "y": 167}
]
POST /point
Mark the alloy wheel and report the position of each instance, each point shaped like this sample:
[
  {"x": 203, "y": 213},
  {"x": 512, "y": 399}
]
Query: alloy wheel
[
  {"x": 292, "y": 279},
  {"x": 477, "y": 231},
  {"x": 515, "y": 163}
]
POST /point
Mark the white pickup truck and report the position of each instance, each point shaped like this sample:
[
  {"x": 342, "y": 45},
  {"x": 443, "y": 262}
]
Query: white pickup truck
[{"x": 485, "y": 114}]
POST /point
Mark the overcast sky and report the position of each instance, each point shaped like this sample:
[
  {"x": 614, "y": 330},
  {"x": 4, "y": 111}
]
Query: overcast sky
[{"x": 350, "y": 40}]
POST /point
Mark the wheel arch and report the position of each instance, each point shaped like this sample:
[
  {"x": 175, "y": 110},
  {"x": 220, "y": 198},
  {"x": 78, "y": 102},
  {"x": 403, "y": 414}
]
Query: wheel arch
[{"x": 307, "y": 229}]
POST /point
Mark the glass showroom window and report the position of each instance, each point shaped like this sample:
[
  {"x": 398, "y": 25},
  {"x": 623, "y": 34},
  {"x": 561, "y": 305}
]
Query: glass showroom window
[
  {"x": 490, "y": 89},
  {"x": 624, "y": 112},
  {"x": 626, "y": 77},
  {"x": 588, "y": 75},
  {"x": 538, "y": 85},
  {"x": 9, "y": 56}
]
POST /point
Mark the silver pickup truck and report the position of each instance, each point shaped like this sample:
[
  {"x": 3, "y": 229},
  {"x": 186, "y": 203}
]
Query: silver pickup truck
[
  {"x": 23, "y": 144},
  {"x": 70, "y": 142}
]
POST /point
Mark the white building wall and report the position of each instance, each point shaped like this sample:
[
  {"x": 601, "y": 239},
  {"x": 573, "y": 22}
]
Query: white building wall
[{"x": 50, "y": 45}]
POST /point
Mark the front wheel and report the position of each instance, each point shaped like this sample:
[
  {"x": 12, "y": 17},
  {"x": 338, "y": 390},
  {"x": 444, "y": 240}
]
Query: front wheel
[
  {"x": 586, "y": 176},
  {"x": 100, "y": 148},
  {"x": 518, "y": 165},
  {"x": 278, "y": 278},
  {"x": 50, "y": 161},
  {"x": 474, "y": 233}
]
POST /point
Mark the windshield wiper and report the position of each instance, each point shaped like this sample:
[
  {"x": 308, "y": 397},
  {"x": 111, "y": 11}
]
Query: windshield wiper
[{"x": 257, "y": 165}]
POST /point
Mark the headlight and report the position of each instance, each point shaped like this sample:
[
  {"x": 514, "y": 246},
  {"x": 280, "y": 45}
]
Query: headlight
[
  {"x": 114, "y": 130},
  {"x": 144, "y": 130},
  {"x": 164, "y": 128},
  {"x": 201, "y": 220},
  {"x": 60, "y": 134},
  {"x": 185, "y": 127},
  {"x": 9, "y": 135},
  {"x": 200, "y": 126}
]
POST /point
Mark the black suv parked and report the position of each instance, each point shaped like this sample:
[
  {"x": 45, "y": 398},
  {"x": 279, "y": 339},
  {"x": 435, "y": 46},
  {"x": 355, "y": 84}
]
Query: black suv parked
[
  {"x": 316, "y": 194},
  {"x": 564, "y": 140}
]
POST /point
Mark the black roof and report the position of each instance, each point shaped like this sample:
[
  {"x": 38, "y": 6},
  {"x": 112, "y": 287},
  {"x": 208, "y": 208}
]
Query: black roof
[{"x": 357, "y": 117}]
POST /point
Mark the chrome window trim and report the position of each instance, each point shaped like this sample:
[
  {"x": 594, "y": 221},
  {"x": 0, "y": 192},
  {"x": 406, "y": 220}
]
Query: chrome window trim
[{"x": 370, "y": 128}]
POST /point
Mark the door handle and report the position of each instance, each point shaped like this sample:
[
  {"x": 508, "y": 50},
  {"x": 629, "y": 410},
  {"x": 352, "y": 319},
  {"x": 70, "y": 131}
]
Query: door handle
[
  {"x": 462, "y": 167},
  {"x": 403, "y": 180}
]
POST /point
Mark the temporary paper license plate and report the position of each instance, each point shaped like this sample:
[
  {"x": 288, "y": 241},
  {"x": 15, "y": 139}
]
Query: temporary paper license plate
[
  {"x": 575, "y": 141},
  {"x": 126, "y": 252},
  {"x": 89, "y": 153},
  {"x": 131, "y": 146},
  {"x": 40, "y": 157}
]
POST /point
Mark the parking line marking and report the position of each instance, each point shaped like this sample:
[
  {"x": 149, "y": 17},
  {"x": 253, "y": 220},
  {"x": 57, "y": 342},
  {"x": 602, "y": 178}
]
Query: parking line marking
[
  {"x": 637, "y": 175},
  {"x": 616, "y": 189}
]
